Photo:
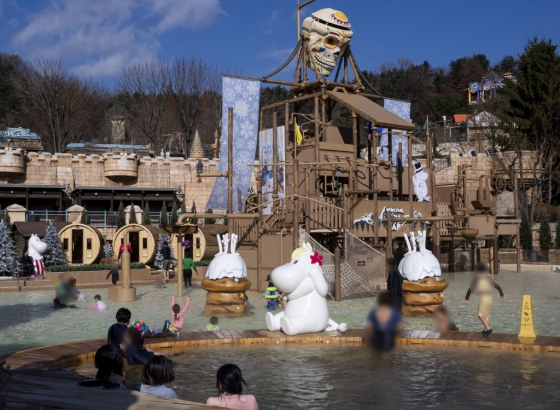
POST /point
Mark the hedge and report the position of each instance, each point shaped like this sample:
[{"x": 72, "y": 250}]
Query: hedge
[
  {"x": 202, "y": 263},
  {"x": 95, "y": 266}
]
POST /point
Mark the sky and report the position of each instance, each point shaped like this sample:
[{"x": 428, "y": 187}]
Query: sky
[{"x": 96, "y": 38}]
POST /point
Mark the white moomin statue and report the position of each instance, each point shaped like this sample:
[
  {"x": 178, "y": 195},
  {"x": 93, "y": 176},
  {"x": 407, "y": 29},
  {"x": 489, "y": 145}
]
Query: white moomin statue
[
  {"x": 36, "y": 249},
  {"x": 418, "y": 264},
  {"x": 303, "y": 281},
  {"x": 419, "y": 181}
]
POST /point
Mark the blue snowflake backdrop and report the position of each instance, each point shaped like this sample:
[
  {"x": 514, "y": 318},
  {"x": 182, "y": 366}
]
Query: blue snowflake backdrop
[
  {"x": 402, "y": 109},
  {"x": 243, "y": 96}
]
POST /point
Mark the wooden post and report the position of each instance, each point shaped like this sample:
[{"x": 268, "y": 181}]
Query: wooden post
[
  {"x": 429, "y": 156},
  {"x": 296, "y": 204},
  {"x": 410, "y": 175},
  {"x": 179, "y": 253},
  {"x": 352, "y": 177},
  {"x": 307, "y": 202},
  {"x": 375, "y": 202},
  {"x": 400, "y": 172},
  {"x": 390, "y": 156},
  {"x": 389, "y": 245},
  {"x": 496, "y": 252},
  {"x": 519, "y": 253},
  {"x": 274, "y": 156},
  {"x": 230, "y": 166},
  {"x": 337, "y": 281},
  {"x": 259, "y": 236}
]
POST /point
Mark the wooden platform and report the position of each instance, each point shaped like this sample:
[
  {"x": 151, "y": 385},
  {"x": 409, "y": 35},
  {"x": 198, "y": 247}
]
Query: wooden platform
[{"x": 41, "y": 378}]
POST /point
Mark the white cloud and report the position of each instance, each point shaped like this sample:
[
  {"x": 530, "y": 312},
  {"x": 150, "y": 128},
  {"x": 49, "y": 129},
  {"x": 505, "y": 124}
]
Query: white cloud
[
  {"x": 98, "y": 37},
  {"x": 277, "y": 53}
]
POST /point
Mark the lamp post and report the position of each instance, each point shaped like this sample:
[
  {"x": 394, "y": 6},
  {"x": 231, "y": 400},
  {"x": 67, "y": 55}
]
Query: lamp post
[
  {"x": 180, "y": 230},
  {"x": 126, "y": 292}
]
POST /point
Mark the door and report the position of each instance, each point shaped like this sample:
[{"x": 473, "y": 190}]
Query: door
[
  {"x": 77, "y": 246},
  {"x": 134, "y": 238}
]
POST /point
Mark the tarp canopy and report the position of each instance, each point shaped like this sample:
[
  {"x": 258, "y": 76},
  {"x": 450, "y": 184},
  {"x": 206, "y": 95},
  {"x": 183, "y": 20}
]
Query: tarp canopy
[{"x": 365, "y": 108}]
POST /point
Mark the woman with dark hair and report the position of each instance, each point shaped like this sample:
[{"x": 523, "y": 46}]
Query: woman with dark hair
[
  {"x": 176, "y": 312},
  {"x": 157, "y": 372},
  {"x": 384, "y": 322},
  {"x": 109, "y": 364},
  {"x": 229, "y": 383},
  {"x": 133, "y": 347}
]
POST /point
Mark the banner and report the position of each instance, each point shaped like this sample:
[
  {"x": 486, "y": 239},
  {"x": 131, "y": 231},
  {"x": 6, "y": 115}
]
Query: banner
[
  {"x": 243, "y": 96},
  {"x": 402, "y": 109},
  {"x": 266, "y": 157}
]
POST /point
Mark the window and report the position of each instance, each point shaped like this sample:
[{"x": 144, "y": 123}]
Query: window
[
  {"x": 65, "y": 244},
  {"x": 198, "y": 243},
  {"x": 144, "y": 243},
  {"x": 88, "y": 246}
]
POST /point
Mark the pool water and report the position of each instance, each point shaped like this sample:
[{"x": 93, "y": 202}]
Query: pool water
[
  {"x": 28, "y": 321},
  {"x": 305, "y": 376}
]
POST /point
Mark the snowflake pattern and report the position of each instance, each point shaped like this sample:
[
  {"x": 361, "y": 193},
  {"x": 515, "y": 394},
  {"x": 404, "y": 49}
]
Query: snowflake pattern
[
  {"x": 402, "y": 109},
  {"x": 243, "y": 96}
]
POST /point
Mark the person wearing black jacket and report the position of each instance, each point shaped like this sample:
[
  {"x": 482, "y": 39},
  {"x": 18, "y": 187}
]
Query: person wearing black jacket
[
  {"x": 167, "y": 261},
  {"x": 394, "y": 283},
  {"x": 28, "y": 263}
]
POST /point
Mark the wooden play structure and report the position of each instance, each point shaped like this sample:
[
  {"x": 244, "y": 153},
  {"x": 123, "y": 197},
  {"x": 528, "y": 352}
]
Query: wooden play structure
[{"x": 82, "y": 243}]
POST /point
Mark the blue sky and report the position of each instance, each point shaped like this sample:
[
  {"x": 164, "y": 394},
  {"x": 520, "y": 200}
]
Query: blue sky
[{"x": 96, "y": 38}]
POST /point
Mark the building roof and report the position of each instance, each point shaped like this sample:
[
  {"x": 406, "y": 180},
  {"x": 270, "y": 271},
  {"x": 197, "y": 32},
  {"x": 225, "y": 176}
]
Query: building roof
[
  {"x": 123, "y": 189},
  {"x": 459, "y": 118},
  {"x": 78, "y": 145},
  {"x": 27, "y": 229},
  {"x": 19, "y": 133}
]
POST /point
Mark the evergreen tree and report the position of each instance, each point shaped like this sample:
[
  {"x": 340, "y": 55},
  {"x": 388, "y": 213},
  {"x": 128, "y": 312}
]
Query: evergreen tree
[
  {"x": 146, "y": 215},
  {"x": 557, "y": 242},
  {"x": 159, "y": 255},
  {"x": 183, "y": 208},
  {"x": 7, "y": 220},
  {"x": 210, "y": 221},
  {"x": 108, "y": 251},
  {"x": 132, "y": 215},
  {"x": 545, "y": 238},
  {"x": 7, "y": 251},
  {"x": 193, "y": 210},
  {"x": 163, "y": 220},
  {"x": 525, "y": 232},
  {"x": 174, "y": 216},
  {"x": 121, "y": 218},
  {"x": 54, "y": 247},
  {"x": 84, "y": 218}
]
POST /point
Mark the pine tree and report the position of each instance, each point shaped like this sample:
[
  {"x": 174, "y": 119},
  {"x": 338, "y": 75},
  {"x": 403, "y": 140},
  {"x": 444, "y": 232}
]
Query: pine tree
[
  {"x": 525, "y": 232},
  {"x": 121, "y": 219},
  {"x": 545, "y": 238},
  {"x": 159, "y": 255},
  {"x": 146, "y": 215},
  {"x": 183, "y": 208},
  {"x": 108, "y": 251},
  {"x": 54, "y": 247},
  {"x": 557, "y": 242},
  {"x": 193, "y": 210},
  {"x": 84, "y": 218},
  {"x": 132, "y": 215},
  {"x": 7, "y": 220},
  {"x": 163, "y": 220},
  {"x": 210, "y": 221},
  {"x": 7, "y": 251},
  {"x": 174, "y": 216}
]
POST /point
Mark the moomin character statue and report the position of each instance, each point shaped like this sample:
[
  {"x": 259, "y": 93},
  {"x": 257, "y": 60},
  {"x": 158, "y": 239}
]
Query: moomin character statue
[
  {"x": 419, "y": 181},
  {"x": 303, "y": 281},
  {"x": 36, "y": 248}
]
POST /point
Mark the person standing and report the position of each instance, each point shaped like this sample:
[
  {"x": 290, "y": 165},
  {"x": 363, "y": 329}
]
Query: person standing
[
  {"x": 188, "y": 266},
  {"x": 483, "y": 285},
  {"x": 114, "y": 273},
  {"x": 394, "y": 283},
  {"x": 166, "y": 253}
]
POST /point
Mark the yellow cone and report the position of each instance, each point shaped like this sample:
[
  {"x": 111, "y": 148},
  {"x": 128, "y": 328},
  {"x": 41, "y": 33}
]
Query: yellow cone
[{"x": 527, "y": 329}]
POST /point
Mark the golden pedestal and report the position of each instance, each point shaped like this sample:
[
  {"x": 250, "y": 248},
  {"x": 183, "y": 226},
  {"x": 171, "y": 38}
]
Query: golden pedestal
[
  {"x": 422, "y": 297},
  {"x": 120, "y": 294},
  {"x": 225, "y": 296}
]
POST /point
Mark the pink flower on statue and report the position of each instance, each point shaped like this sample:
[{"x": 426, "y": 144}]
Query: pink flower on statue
[{"x": 316, "y": 258}]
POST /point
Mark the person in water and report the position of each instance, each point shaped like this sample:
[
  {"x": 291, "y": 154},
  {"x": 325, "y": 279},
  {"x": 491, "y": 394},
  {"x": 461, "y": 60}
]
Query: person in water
[
  {"x": 483, "y": 285},
  {"x": 443, "y": 320},
  {"x": 394, "y": 283},
  {"x": 133, "y": 347},
  {"x": 176, "y": 312},
  {"x": 116, "y": 331},
  {"x": 384, "y": 323},
  {"x": 157, "y": 372},
  {"x": 272, "y": 296},
  {"x": 113, "y": 273},
  {"x": 188, "y": 266},
  {"x": 99, "y": 304},
  {"x": 229, "y": 382},
  {"x": 110, "y": 364},
  {"x": 213, "y": 325}
]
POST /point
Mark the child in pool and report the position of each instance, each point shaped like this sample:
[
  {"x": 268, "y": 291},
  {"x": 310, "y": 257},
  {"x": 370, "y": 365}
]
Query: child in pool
[
  {"x": 99, "y": 304},
  {"x": 109, "y": 363},
  {"x": 229, "y": 383},
  {"x": 483, "y": 285},
  {"x": 213, "y": 325},
  {"x": 177, "y": 313},
  {"x": 157, "y": 372}
]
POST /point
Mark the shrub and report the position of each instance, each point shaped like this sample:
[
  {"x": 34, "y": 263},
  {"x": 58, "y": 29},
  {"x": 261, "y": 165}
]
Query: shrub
[{"x": 92, "y": 267}]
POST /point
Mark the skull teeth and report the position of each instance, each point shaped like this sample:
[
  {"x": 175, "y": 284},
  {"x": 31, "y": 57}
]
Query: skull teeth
[{"x": 324, "y": 63}]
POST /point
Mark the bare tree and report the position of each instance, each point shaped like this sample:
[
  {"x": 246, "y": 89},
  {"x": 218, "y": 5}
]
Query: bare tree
[
  {"x": 144, "y": 90},
  {"x": 61, "y": 107}
]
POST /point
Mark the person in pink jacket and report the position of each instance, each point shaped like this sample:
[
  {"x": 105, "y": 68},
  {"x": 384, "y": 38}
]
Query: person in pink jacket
[{"x": 177, "y": 313}]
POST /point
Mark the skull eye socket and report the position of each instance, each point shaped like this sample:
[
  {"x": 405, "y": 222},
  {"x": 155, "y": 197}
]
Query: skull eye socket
[{"x": 331, "y": 42}]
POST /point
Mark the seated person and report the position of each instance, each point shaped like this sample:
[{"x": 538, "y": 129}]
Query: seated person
[
  {"x": 157, "y": 372},
  {"x": 109, "y": 363},
  {"x": 27, "y": 263},
  {"x": 443, "y": 321},
  {"x": 133, "y": 347},
  {"x": 99, "y": 304},
  {"x": 116, "y": 331},
  {"x": 229, "y": 383},
  {"x": 384, "y": 323}
]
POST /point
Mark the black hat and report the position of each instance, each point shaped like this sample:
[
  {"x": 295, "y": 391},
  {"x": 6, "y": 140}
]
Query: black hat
[{"x": 418, "y": 167}]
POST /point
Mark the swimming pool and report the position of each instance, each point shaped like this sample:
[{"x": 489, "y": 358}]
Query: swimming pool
[
  {"x": 27, "y": 320},
  {"x": 305, "y": 376}
]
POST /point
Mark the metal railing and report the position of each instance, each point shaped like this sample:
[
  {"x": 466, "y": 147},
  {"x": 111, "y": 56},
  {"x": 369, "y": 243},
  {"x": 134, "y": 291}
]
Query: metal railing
[{"x": 46, "y": 215}]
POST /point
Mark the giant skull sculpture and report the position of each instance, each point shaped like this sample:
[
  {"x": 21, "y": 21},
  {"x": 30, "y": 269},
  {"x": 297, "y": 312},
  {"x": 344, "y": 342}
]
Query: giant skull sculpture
[{"x": 329, "y": 34}]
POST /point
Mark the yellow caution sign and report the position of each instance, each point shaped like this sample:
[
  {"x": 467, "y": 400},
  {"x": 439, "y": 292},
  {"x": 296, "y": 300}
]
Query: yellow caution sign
[{"x": 527, "y": 330}]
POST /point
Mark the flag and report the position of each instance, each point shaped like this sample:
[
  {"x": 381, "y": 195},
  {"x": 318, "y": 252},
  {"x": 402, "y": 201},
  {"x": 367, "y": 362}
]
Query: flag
[
  {"x": 299, "y": 137},
  {"x": 425, "y": 127}
]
